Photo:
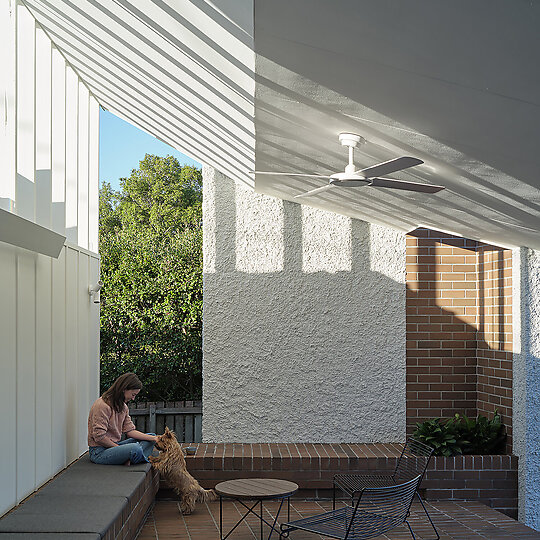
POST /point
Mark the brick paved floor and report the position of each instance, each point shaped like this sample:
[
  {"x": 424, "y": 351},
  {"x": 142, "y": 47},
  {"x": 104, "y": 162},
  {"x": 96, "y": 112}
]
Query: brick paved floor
[{"x": 454, "y": 520}]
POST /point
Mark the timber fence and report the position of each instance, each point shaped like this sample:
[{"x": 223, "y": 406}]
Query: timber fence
[{"x": 182, "y": 417}]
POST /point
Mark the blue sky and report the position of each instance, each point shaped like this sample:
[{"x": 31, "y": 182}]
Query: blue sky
[{"x": 122, "y": 146}]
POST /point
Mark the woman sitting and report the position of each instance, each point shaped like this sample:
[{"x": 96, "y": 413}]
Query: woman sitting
[{"x": 109, "y": 418}]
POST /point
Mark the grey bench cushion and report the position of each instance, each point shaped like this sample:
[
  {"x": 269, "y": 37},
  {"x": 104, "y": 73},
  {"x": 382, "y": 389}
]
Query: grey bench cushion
[
  {"x": 49, "y": 536},
  {"x": 84, "y": 463},
  {"x": 64, "y": 514},
  {"x": 97, "y": 482}
]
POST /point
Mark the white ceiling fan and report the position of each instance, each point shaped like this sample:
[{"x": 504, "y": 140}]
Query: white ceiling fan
[{"x": 370, "y": 176}]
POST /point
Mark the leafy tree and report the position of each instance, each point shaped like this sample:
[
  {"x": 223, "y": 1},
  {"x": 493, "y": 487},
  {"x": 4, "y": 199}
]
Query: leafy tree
[{"x": 151, "y": 266}]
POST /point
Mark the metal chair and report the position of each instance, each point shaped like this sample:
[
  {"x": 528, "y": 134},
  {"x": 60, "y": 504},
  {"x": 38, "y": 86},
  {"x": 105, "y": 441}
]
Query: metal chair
[
  {"x": 412, "y": 462},
  {"x": 376, "y": 511}
]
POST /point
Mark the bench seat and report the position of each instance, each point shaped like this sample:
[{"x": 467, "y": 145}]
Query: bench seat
[{"x": 87, "y": 502}]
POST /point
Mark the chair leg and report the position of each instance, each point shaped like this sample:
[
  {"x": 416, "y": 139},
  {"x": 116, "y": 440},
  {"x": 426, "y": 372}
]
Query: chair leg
[
  {"x": 334, "y": 497},
  {"x": 410, "y": 530},
  {"x": 428, "y": 516}
]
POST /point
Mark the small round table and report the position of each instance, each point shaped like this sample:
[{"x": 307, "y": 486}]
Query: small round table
[{"x": 258, "y": 490}]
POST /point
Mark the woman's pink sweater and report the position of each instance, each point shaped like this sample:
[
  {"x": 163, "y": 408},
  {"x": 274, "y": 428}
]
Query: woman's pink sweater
[{"x": 103, "y": 422}]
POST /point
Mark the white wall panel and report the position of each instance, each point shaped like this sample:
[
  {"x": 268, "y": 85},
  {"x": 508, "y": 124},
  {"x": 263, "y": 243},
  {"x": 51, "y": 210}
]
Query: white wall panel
[
  {"x": 72, "y": 115},
  {"x": 83, "y": 371},
  {"x": 93, "y": 176},
  {"x": 82, "y": 153},
  {"x": 43, "y": 128},
  {"x": 25, "y": 194},
  {"x": 26, "y": 374},
  {"x": 43, "y": 369},
  {"x": 59, "y": 423},
  {"x": 8, "y": 371},
  {"x": 58, "y": 132},
  {"x": 93, "y": 336},
  {"x": 72, "y": 335},
  {"x": 8, "y": 22},
  {"x": 49, "y": 329}
]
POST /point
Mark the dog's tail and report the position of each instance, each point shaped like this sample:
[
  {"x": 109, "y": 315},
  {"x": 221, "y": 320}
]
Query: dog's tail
[{"x": 206, "y": 495}]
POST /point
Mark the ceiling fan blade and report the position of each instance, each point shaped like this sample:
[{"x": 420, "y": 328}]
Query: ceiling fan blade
[
  {"x": 389, "y": 167},
  {"x": 289, "y": 174},
  {"x": 314, "y": 191},
  {"x": 401, "y": 184}
]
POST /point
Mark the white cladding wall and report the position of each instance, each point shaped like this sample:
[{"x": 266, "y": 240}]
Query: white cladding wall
[
  {"x": 526, "y": 391},
  {"x": 304, "y": 322},
  {"x": 49, "y": 327}
]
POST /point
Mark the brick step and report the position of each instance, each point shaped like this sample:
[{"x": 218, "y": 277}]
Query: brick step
[{"x": 489, "y": 479}]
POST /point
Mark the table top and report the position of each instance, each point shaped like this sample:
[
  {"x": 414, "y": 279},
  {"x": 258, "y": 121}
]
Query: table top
[{"x": 256, "y": 488}]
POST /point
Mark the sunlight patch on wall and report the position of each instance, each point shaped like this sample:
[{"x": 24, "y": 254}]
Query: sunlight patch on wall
[
  {"x": 209, "y": 217},
  {"x": 326, "y": 241},
  {"x": 384, "y": 244},
  {"x": 259, "y": 232}
]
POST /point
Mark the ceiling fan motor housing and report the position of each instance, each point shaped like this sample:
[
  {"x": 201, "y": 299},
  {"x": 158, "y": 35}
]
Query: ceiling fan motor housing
[{"x": 350, "y": 139}]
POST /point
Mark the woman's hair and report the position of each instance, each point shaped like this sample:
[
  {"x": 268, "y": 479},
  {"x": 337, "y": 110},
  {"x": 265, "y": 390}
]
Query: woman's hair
[{"x": 114, "y": 396}]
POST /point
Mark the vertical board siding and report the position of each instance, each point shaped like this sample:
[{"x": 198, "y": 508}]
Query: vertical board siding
[
  {"x": 72, "y": 99},
  {"x": 71, "y": 353},
  {"x": 8, "y": 390},
  {"x": 93, "y": 336},
  {"x": 93, "y": 176},
  {"x": 58, "y": 332},
  {"x": 83, "y": 303},
  {"x": 43, "y": 128},
  {"x": 58, "y": 143},
  {"x": 25, "y": 121},
  {"x": 43, "y": 369},
  {"x": 82, "y": 153},
  {"x": 8, "y": 24},
  {"x": 49, "y": 327},
  {"x": 26, "y": 374}
]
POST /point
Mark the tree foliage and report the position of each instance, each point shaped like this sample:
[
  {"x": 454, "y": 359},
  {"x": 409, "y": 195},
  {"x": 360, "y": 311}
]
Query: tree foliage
[{"x": 150, "y": 238}]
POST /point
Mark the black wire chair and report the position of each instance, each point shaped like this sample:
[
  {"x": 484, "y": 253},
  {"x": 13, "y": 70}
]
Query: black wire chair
[
  {"x": 412, "y": 462},
  {"x": 376, "y": 511}
]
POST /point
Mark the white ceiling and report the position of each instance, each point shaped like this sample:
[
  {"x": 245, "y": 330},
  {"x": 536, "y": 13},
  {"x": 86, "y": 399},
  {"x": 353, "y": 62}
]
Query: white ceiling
[{"x": 456, "y": 84}]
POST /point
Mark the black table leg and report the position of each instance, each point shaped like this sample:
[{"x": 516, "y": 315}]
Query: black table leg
[
  {"x": 251, "y": 510},
  {"x": 220, "y": 517}
]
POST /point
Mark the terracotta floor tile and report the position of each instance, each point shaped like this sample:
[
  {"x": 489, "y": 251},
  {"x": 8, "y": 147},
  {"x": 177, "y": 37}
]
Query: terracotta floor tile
[{"x": 454, "y": 520}]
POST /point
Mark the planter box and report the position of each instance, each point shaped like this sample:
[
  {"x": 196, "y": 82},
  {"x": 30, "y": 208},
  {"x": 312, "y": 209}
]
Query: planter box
[{"x": 491, "y": 480}]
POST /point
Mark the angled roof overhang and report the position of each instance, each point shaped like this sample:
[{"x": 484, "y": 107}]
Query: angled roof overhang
[{"x": 273, "y": 83}]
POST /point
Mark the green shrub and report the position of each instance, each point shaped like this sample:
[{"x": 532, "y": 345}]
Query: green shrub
[
  {"x": 441, "y": 435},
  {"x": 462, "y": 435},
  {"x": 150, "y": 241}
]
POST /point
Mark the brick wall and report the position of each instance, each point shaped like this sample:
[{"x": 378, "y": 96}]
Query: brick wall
[
  {"x": 495, "y": 334},
  {"x": 458, "y": 328}
]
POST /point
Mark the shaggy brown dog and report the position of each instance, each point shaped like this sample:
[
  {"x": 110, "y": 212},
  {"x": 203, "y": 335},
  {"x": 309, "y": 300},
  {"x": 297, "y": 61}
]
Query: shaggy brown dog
[{"x": 172, "y": 467}]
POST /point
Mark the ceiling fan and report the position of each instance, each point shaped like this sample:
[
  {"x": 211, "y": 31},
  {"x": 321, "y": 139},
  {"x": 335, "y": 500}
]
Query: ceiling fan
[{"x": 370, "y": 176}]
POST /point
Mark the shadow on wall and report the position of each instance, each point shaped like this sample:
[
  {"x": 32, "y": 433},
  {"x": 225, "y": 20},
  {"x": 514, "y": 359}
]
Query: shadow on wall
[{"x": 292, "y": 353}]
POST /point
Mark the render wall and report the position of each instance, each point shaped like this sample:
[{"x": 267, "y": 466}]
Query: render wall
[
  {"x": 304, "y": 322},
  {"x": 526, "y": 390},
  {"x": 49, "y": 327}
]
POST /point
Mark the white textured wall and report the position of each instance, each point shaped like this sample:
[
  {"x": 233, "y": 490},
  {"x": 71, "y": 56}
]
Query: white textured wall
[
  {"x": 304, "y": 322},
  {"x": 526, "y": 391},
  {"x": 49, "y": 328}
]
